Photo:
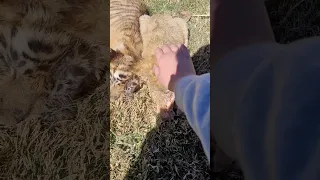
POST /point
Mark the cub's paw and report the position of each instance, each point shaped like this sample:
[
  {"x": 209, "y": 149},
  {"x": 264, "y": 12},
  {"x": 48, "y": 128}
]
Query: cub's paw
[{"x": 132, "y": 86}]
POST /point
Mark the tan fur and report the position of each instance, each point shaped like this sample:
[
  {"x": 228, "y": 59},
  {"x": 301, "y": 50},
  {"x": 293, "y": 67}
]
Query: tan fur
[
  {"x": 158, "y": 30},
  {"x": 53, "y": 53},
  {"x": 116, "y": 92}
]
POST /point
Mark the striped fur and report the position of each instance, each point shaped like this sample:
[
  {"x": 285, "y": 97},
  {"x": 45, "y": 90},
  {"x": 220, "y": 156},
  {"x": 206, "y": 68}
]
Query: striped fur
[
  {"x": 125, "y": 43},
  {"x": 120, "y": 66},
  {"x": 51, "y": 53},
  {"x": 124, "y": 26}
]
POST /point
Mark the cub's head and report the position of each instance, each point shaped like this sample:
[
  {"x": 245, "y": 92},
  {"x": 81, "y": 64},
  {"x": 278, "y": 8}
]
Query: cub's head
[
  {"x": 119, "y": 67},
  {"x": 158, "y": 30}
]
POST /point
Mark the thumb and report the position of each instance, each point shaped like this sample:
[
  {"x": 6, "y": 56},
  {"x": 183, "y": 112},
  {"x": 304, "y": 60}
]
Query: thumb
[{"x": 156, "y": 70}]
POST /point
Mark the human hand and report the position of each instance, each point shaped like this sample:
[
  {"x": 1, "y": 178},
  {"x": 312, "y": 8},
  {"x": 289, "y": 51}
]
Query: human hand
[{"x": 173, "y": 63}]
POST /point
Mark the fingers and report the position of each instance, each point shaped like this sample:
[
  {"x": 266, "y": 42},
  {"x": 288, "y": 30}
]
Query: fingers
[
  {"x": 168, "y": 48},
  {"x": 159, "y": 53},
  {"x": 156, "y": 70},
  {"x": 174, "y": 48}
]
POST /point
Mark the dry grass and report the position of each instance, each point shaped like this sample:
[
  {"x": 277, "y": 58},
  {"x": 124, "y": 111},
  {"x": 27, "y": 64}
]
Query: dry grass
[
  {"x": 142, "y": 145},
  {"x": 294, "y": 19},
  {"x": 74, "y": 149}
]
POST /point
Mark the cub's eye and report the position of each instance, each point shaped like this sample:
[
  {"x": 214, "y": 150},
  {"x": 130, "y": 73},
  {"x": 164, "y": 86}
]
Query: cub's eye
[{"x": 122, "y": 76}]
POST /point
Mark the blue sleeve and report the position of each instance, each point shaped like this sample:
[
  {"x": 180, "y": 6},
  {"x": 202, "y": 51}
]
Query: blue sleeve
[
  {"x": 265, "y": 101},
  {"x": 193, "y": 98}
]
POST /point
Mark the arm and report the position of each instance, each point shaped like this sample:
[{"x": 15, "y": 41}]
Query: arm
[
  {"x": 193, "y": 98},
  {"x": 175, "y": 71}
]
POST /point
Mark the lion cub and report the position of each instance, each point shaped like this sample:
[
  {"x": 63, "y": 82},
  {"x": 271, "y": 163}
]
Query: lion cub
[{"x": 156, "y": 31}]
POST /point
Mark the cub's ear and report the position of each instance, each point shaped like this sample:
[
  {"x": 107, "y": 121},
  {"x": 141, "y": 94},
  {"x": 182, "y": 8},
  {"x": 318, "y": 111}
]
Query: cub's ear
[
  {"x": 113, "y": 53},
  {"x": 120, "y": 47},
  {"x": 144, "y": 21}
]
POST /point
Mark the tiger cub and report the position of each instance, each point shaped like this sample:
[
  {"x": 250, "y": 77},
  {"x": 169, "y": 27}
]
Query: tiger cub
[
  {"x": 125, "y": 42},
  {"x": 47, "y": 63}
]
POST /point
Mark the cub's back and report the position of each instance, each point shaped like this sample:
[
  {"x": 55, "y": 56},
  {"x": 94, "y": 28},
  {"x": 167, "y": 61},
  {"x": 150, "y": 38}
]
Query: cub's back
[{"x": 124, "y": 26}]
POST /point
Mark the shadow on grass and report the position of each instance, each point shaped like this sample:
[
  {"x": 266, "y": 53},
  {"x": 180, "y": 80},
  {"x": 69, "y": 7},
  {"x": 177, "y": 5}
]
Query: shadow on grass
[
  {"x": 172, "y": 150},
  {"x": 292, "y": 20}
]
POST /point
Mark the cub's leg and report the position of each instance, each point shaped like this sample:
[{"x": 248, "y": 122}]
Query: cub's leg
[{"x": 132, "y": 86}]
